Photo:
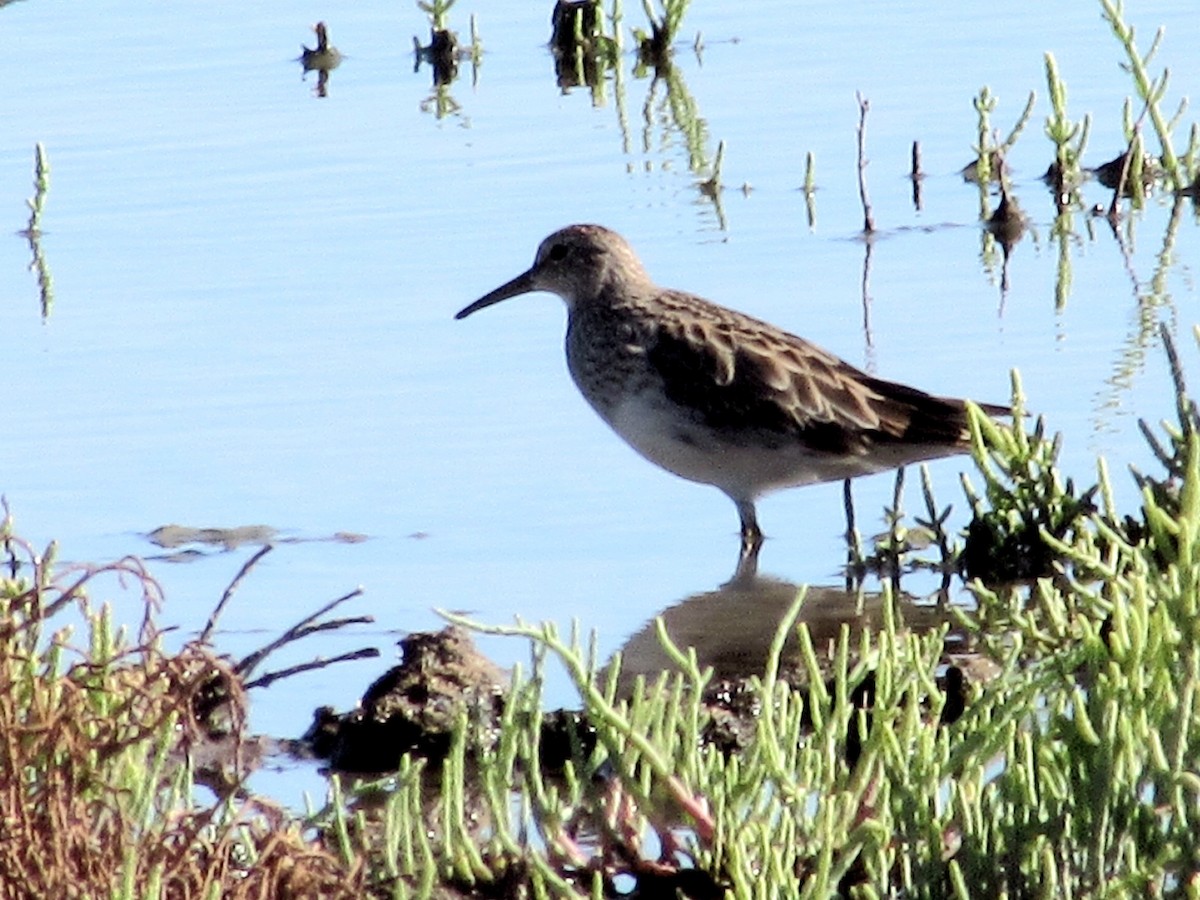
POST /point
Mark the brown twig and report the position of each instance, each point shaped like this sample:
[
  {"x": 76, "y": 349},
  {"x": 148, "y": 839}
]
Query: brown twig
[
  {"x": 1113, "y": 215},
  {"x": 1135, "y": 142},
  {"x": 364, "y": 653},
  {"x": 301, "y": 629},
  {"x": 916, "y": 175},
  {"x": 868, "y": 220},
  {"x": 229, "y": 592}
]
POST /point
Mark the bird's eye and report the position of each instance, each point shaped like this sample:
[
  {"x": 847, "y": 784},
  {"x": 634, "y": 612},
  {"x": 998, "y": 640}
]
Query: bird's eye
[{"x": 558, "y": 252}]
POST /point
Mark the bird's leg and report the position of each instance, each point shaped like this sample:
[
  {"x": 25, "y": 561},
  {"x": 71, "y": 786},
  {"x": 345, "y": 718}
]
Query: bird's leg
[
  {"x": 854, "y": 557},
  {"x": 752, "y": 539}
]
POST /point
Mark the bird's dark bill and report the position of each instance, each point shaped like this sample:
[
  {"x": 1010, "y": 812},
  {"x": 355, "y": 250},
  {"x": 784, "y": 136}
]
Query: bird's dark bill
[{"x": 522, "y": 284}]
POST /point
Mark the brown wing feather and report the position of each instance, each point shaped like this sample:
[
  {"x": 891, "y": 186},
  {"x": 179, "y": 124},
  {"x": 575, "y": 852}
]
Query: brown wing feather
[{"x": 770, "y": 381}]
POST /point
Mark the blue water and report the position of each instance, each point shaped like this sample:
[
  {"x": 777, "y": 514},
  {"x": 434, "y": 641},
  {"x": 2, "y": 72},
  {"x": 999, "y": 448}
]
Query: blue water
[{"x": 254, "y": 289}]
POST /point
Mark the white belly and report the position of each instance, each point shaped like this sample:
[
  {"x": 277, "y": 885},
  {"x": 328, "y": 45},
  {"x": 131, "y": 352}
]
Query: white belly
[{"x": 743, "y": 469}]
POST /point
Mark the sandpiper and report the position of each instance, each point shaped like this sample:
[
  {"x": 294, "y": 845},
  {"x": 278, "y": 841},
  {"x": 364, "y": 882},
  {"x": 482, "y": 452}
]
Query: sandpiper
[{"x": 716, "y": 396}]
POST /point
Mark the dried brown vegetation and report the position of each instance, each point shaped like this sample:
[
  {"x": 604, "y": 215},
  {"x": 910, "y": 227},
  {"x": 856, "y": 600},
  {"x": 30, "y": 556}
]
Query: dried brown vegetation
[{"x": 95, "y": 782}]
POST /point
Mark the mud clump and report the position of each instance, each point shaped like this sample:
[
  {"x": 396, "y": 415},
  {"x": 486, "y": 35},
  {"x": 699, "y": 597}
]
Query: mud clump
[{"x": 413, "y": 707}]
